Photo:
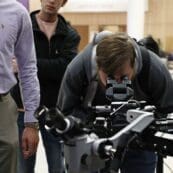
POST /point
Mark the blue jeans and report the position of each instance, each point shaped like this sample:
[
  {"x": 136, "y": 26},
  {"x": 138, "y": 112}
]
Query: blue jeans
[
  {"x": 135, "y": 161},
  {"x": 53, "y": 149},
  {"x": 139, "y": 161}
]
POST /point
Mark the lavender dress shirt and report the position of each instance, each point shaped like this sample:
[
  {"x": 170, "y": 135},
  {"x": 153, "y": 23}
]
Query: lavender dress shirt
[{"x": 16, "y": 39}]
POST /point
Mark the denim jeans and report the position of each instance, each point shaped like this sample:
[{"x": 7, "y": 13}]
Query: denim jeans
[
  {"x": 135, "y": 161},
  {"x": 53, "y": 149},
  {"x": 139, "y": 161}
]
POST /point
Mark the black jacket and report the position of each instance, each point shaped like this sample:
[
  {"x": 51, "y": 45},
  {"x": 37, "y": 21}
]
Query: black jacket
[{"x": 53, "y": 57}]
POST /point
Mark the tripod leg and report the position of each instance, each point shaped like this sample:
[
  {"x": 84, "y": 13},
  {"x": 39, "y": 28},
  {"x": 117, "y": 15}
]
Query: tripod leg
[{"x": 159, "y": 168}]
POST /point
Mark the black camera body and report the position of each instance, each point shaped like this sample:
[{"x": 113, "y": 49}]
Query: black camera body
[
  {"x": 109, "y": 119},
  {"x": 118, "y": 91}
]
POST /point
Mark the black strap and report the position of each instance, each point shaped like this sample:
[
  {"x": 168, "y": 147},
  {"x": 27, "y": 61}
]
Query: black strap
[{"x": 143, "y": 76}]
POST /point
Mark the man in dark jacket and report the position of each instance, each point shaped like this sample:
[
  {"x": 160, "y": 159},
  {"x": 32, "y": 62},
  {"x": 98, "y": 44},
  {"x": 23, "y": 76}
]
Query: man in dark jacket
[
  {"x": 117, "y": 55},
  {"x": 56, "y": 45}
]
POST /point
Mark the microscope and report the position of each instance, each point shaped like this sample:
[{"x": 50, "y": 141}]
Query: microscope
[{"x": 126, "y": 123}]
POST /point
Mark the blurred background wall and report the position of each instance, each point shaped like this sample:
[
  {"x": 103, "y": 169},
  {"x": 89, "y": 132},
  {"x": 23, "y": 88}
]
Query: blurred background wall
[{"x": 89, "y": 17}]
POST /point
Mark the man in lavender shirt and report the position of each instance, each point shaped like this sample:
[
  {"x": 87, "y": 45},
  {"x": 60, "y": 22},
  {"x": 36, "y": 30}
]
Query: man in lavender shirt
[{"x": 16, "y": 39}]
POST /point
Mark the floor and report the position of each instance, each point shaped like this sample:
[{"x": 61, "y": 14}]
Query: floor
[{"x": 41, "y": 163}]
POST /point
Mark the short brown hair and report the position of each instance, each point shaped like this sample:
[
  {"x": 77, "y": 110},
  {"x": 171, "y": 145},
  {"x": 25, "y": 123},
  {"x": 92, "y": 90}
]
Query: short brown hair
[{"x": 113, "y": 51}]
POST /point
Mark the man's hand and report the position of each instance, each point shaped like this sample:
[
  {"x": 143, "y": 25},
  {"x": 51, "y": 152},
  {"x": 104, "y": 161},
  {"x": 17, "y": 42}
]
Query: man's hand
[
  {"x": 14, "y": 65},
  {"x": 30, "y": 141}
]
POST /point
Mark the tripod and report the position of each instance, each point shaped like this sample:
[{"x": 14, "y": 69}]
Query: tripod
[{"x": 86, "y": 152}]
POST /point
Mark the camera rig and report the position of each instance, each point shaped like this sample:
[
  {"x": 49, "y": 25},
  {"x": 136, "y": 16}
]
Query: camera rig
[{"x": 88, "y": 148}]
